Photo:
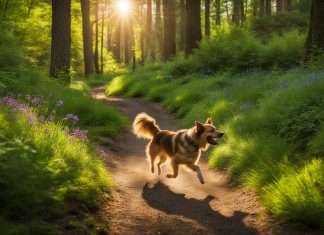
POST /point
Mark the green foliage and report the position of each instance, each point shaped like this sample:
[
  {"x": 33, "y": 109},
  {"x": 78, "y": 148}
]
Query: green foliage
[
  {"x": 42, "y": 172},
  {"x": 273, "y": 125},
  {"x": 280, "y": 23},
  {"x": 238, "y": 50},
  {"x": 298, "y": 195}
]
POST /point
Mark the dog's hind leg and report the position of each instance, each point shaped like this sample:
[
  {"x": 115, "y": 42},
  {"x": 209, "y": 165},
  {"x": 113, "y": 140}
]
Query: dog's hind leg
[
  {"x": 163, "y": 159},
  {"x": 175, "y": 167},
  {"x": 152, "y": 151},
  {"x": 197, "y": 169}
]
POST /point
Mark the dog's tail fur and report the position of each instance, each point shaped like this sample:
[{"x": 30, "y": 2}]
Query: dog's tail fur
[{"x": 144, "y": 126}]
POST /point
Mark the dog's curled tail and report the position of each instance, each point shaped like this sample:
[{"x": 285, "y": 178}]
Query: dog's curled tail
[{"x": 144, "y": 126}]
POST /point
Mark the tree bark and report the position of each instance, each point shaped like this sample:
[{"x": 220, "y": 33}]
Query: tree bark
[
  {"x": 158, "y": 26},
  {"x": 61, "y": 39},
  {"x": 315, "y": 38},
  {"x": 242, "y": 14},
  {"x": 109, "y": 27},
  {"x": 5, "y": 10},
  {"x": 255, "y": 7},
  {"x": 169, "y": 8},
  {"x": 193, "y": 25},
  {"x": 207, "y": 18},
  {"x": 218, "y": 12},
  {"x": 87, "y": 38},
  {"x": 279, "y": 5},
  {"x": 288, "y": 5},
  {"x": 149, "y": 43},
  {"x": 236, "y": 12},
  {"x": 268, "y": 7},
  {"x": 261, "y": 7},
  {"x": 96, "y": 52},
  {"x": 182, "y": 25},
  {"x": 103, "y": 7}
]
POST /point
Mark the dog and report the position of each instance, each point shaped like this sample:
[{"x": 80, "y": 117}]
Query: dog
[{"x": 182, "y": 147}]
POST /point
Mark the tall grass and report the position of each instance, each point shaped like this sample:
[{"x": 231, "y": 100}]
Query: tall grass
[{"x": 273, "y": 123}]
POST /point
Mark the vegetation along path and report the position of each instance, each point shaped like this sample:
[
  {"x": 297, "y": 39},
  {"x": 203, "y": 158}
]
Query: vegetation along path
[{"x": 144, "y": 203}]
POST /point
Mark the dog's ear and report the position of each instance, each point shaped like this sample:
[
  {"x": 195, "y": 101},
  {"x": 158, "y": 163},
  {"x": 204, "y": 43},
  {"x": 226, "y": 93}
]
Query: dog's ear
[
  {"x": 200, "y": 128},
  {"x": 209, "y": 121}
]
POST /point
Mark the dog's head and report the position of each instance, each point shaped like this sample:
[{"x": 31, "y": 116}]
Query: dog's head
[{"x": 207, "y": 133}]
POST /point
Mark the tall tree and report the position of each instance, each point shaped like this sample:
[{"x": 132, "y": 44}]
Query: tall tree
[
  {"x": 148, "y": 31},
  {"x": 87, "y": 37},
  {"x": 268, "y": 7},
  {"x": 61, "y": 38},
  {"x": 218, "y": 11},
  {"x": 158, "y": 25},
  {"x": 236, "y": 11},
  {"x": 182, "y": 25},
  {"x": 207, "y": 18},
  {"x": 193, "y": 25},
  {"x": 103, "y": 9},
  {"x": 288, "y": 5},
  {"x": 261, "y": 7},
  {"x": 255, "y": 7},
  {"x": 315, "y": 38},
  {"x": 96, "y": 52},
  {"x": 279, "y": 5},
  {"x": 169, "y": 15}
]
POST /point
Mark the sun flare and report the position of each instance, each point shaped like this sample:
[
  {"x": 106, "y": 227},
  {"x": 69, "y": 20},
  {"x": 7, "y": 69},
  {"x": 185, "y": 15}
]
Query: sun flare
[{"x": 123, "y": 7}]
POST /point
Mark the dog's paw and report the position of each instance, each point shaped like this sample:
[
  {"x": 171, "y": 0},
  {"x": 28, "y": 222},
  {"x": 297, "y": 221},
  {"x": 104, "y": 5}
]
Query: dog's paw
[{"x": 170, "y": 176}]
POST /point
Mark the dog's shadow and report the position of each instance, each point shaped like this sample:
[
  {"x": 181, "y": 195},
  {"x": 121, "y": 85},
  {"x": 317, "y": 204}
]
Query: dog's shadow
[{"x": 162, "y": 198}]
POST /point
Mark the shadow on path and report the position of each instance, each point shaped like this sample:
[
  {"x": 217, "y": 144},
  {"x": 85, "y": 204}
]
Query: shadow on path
[{"x": 162, "y": 198}]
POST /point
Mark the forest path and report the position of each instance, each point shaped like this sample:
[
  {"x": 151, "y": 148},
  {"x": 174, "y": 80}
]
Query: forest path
[{"x": 144, "y": 203}]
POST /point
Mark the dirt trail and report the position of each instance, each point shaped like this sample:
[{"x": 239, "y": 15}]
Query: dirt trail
[{"x": 144, "y": 203}]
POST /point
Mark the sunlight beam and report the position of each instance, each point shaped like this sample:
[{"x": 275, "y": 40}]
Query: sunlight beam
[{"x": 123, "y": 7}]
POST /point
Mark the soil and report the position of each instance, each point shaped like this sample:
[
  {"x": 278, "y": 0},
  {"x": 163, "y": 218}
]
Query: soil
[{"x": 145, "y": 203}]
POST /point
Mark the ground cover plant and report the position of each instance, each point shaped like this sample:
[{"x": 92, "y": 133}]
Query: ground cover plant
[{"x": 273, "y": 123}]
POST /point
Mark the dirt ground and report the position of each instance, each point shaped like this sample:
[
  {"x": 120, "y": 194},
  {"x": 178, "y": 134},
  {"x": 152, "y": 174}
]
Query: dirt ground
[{"x": 145, "y": 203}]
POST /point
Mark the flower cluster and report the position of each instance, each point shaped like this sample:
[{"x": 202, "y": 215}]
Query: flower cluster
[
  {"x": 35, "y": 111},
  {"x": 71, "y": 117},
  {"x": 79, "y": 134}
]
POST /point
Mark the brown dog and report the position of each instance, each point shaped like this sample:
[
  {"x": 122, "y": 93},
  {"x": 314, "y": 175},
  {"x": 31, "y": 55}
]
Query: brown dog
[{"x": 182, "y": 147}]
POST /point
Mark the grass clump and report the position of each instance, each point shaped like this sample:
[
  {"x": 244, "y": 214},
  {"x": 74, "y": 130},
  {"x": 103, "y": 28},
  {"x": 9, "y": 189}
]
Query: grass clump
[{"x": 47, "y": 170}]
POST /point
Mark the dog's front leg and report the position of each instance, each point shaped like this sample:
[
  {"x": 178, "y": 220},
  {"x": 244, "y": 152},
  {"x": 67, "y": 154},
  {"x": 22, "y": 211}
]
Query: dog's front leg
[
  {"x": 197, "y": 169},
  {"x": 175, "y": 167}
]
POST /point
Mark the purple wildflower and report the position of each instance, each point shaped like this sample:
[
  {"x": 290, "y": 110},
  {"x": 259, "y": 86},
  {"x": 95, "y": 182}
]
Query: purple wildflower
[
  {"x": 46, "y": 130},
  {"x": 36, "y": 101},
  {"x": 51, "y": 118},
  {"x": 71, "y": 117},
  {"x": 101, "y": 151},
  {"x": 32, "y": 119},
  {"x": 80, "y": 134}
]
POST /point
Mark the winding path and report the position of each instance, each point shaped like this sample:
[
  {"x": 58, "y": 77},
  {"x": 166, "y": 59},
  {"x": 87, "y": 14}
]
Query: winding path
[{"x": 144, "y": 203}]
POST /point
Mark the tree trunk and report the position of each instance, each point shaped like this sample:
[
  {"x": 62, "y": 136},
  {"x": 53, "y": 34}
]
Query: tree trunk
[
  {"x": 148, "y": 39},
  {"x": 61, "y": 39},
  {"x": 96, "y": 52},
  {"x": 242, "y": 15},
  {"x": 255, "y": 7},
  {"x": 261, "y": 7},
  {"x": 218, "y": 12},
  {"x": 268, "y": 7},
  {"x": 109, "y": 27},
  {"x": 207, "y": 18},
  {"x": 315, "y": 39},
  {"x": 193, "y": 25},
  {"x": 288, "y": 5},
  {"x": 103, "y": 7},
  {"x": 158, "y": 26},
  {"x": 182, "y": 25},
  {"x": 279, "y": 5},
  {"x": 5, "y": 10},
  {"x": 236, "y": 12},
  {"x": 87, "y": 38},
  {"x": 117, "y": 41},
  {"x": 169, "y": 8}
]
